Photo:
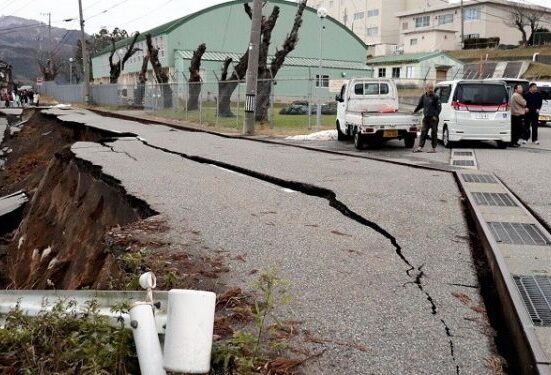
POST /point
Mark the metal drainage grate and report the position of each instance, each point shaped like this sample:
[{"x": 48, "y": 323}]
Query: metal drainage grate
[
  {"x": 479, "y": 178},
  {"x": 464, "y": 163},
  {"x": 493, "y": 199},
  {"x": 518, "y": 234},
  {"x": 536, "y": 294},
  {"x": 462, "y": 153}
]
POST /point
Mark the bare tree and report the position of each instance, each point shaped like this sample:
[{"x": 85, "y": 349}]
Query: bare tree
[
  {"x": 117, "y": 67},
  {"x": 521, "y": 16},
  {"x": 266, "y": 73},
  {"x": 227, "y": 86},
  {"x": 160, "y": 73},
  {"x": 50, "y": 66},
  {"x": 195, "y": 77},
  {"x": 142, "y": 79}
]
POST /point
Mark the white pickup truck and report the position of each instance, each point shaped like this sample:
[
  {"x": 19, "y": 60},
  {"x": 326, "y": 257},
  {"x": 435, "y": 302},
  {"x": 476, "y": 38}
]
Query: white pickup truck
[{"x": 367, "y": 110}]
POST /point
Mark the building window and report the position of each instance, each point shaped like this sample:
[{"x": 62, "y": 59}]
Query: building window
[
  {"x": 404, "y": 26},
  {"x": 395, "y": 72},
  {"x": 422, "y": 21},
  {"x": 358, "y": 16},
  {"x": 382, "y": 72},
  {"x": 413, "y": 42},
  {"x": 409, "y": 71},
  {"x": 331, "y": 3},
  {"x": 324, "y": 80},
  {"x": 472, "y": 14},
  {"x": 445, "y": 18},
  {"x": 443, "y": 93},
  {"x": 372, "y": 31},
  {"x": 373, "y": 13}
]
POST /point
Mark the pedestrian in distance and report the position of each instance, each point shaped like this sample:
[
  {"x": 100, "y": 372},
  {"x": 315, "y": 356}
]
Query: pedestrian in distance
[
  {"x": 430, "y": 103},
  {"x": 534, "y": 101},
  {"x": 518, "y": 111}
]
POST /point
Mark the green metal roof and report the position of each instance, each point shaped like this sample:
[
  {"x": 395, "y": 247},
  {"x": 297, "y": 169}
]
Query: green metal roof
[
  {"x": 404, "y": 58},
  {"x": 290, "y": 61},
  {"x": 169, "y": 26}
]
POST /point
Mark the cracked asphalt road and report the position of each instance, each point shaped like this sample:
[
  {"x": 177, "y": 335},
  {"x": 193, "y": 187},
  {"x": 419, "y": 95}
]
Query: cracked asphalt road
[{"x": 350, "y": 285}]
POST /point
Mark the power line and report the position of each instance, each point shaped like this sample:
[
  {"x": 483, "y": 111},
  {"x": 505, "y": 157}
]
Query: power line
[
  {"x": 20, "y": 8},
  {"x": 107, "y": 10}
]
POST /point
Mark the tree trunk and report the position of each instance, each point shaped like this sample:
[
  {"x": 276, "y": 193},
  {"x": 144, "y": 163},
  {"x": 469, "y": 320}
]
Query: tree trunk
[
  {"x": 160, "y": 74},
  {"x": 116, "y": 68},
  {"x": 225, "y": 91},
  {"x": 266, "y": 76},
  {"x": 194, "y": 83},
  {"x": 142, "y": 79},
  {"x": 263, "y": 93}
]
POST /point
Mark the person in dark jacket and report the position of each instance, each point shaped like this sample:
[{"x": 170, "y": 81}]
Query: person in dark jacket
[
  {"x": 534, "y": 101},
  {"x": 430, "y": 103}
]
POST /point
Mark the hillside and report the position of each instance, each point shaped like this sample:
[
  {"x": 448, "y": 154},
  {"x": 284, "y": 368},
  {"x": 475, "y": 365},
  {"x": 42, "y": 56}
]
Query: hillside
[{"x": 21, "y": 40}]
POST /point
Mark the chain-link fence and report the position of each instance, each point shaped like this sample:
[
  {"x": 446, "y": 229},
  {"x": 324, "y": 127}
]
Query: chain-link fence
[{"x": 291, "y": 103}]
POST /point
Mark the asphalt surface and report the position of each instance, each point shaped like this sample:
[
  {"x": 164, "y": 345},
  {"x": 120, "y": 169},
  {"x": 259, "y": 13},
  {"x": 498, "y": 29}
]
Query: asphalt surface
[
  {"x": 349, "y": 282},
  {"x": 525, "y": 170}
]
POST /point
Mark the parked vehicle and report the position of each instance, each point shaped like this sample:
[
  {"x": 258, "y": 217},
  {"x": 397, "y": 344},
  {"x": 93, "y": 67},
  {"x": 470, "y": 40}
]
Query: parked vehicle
[
  {"x": 474, "y": 110},
  {"x": 367, "y": 110},
  {"x": 298, "y": 107},
  {"x": 510, "y": 83},
  {"x": 545, "y": 111}
]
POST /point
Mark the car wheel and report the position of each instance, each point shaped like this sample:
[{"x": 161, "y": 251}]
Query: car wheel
[
  {"x": 446, "y": 138},
  {"x": 359, "y": 141},
  {"x": 501, "y": 144},
  {"x": 340, "y": 135},
  {"x": 409, "y": 140}
]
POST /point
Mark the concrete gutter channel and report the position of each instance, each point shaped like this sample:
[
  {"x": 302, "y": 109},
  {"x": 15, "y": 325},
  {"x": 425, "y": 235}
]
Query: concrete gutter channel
[
  {"x": 504, "y": 246},
  {"x": 517, "y": 247}
]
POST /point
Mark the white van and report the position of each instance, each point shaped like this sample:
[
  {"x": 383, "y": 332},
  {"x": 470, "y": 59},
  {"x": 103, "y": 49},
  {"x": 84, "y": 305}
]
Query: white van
[
  {"x": 474, "y": 110},
  {"x": 545, "y": 111}
]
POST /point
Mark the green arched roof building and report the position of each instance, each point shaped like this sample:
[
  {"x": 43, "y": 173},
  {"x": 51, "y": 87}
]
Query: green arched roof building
[{"x": 225, "y": 30}]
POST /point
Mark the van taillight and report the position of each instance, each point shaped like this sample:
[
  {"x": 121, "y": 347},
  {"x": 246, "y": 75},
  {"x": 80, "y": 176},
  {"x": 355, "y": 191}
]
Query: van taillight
[
  {"x": 503, "y": 107},
  {"x": 458, "y": 106}
]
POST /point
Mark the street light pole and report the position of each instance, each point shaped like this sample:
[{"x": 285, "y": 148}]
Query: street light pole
[
  {"x": 252, "y": 69},
  {"x": 322, "y": 13},
  {"x": 71, "y": 70},
  {"x": 85, "y": 66}
]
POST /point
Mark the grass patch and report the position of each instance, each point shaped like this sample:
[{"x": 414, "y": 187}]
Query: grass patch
[{"x": 65, "y": 340}]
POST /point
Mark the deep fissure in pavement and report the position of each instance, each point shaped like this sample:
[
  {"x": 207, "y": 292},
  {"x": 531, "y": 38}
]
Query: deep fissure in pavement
[{"x": 331, "y": 197}]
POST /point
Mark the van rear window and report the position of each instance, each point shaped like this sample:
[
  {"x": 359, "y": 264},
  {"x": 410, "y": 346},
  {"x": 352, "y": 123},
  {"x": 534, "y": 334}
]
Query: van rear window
[
  {"x": 545, "y": 92},
  {"x": 481, "y": 94}
]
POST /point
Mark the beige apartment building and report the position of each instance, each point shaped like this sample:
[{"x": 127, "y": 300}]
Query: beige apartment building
[
  {"x": 411, "y": 26},
  {"x": 438, "y": 28},
  {"x": 374, "y": 21}
]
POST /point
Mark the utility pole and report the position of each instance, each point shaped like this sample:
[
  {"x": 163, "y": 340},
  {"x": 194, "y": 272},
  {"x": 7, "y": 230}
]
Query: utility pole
[
  {"x": 462, "y": 26},
  {"x": 85, "y": 66},
  {"x": 252, "y": 69}
]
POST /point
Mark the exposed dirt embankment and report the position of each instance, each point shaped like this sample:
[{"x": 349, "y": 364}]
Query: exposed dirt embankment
[{"x": 60, "y": 242}]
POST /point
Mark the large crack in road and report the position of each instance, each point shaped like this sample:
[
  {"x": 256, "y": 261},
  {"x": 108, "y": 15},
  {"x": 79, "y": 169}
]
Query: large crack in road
[{"x": 331, "y": 197}]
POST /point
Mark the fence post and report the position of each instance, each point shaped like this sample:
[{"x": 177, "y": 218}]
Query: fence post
[
  {"x": 238, "y": 102},
  {"x": 271, "y": 114}
]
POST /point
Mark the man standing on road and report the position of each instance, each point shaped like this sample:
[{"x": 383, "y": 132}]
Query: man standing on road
[
  {"x": 518, "y": 111},
  {"x": 534, "y": 101},
  {"x": 431, "y": 110}
]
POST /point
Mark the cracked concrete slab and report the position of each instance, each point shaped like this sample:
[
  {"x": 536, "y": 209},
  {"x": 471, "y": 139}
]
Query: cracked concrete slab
[{"x": 374, "y": 301}]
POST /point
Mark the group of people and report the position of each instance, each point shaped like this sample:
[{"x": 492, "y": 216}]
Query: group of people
[
  {"x": 19, "y": 98},
  {"x": 525, "y": 111}
]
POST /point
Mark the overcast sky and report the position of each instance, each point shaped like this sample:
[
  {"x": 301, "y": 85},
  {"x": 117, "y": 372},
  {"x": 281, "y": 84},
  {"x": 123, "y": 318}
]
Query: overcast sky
[{"x": 132, "y": 15}]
